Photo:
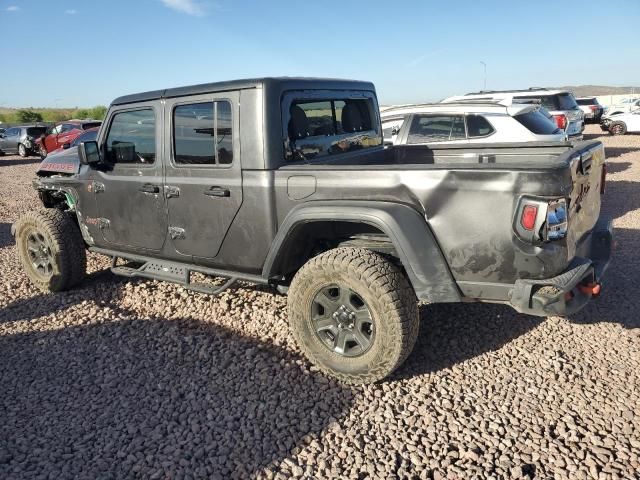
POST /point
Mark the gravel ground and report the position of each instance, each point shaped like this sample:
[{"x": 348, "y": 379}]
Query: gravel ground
[{"x": 141, "y": 379}]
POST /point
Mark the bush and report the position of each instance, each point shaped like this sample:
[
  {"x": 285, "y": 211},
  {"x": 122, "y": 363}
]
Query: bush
[{"x": 28, "y": 116}]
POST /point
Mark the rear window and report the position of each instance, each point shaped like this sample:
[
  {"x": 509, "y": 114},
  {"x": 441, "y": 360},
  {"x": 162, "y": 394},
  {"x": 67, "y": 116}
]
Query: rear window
[
  {"x": 586, "y": 101},
  {"x": 36, "y": 131},
  {"x": 566, "y": 101},
  {"x": 538, "y": 123},
  {"x": 328, "y": 126},
  {"x": 87, "y": 126}
]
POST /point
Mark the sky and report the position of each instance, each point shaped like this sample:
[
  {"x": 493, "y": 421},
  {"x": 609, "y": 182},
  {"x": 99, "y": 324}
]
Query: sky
[{"x": 73, "y": 53}]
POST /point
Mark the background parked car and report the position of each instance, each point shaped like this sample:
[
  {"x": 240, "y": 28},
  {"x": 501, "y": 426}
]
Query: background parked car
[
  {"x": 86, "y": 136},
  {"x": 21, "y": 140},
  {"x": 591, "y": 108},
  {"x": 470, "y": 122},
  {"x": 64, "y": 132},
  {"x": 626, "y": 105},
  {"x": 621, "y": 123},
  {"x": 561, "y": 104}
]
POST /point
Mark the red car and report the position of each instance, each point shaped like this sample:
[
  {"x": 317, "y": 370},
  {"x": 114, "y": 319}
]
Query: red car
[{"x": 65, "y": 132}]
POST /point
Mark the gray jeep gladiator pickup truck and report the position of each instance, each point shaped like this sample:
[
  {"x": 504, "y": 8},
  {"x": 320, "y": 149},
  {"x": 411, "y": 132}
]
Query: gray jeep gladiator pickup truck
[{"x": 286, "y": 182}]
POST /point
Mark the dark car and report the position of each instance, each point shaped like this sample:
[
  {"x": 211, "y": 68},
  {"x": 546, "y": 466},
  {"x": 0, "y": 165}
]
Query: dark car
[
  {"x": 64, "y": 132},
  {"x": 286, "y": 182},
  {"x": 591, "y": 108},
  {"x": 21, "y": 140}
]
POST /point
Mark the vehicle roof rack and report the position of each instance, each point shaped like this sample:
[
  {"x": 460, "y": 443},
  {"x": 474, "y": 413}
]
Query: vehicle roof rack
[{"x": 530, "y": 89}]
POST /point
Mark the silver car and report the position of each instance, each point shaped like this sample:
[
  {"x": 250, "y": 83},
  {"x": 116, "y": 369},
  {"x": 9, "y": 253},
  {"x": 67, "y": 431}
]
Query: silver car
[{"x": 21, "y": 140}]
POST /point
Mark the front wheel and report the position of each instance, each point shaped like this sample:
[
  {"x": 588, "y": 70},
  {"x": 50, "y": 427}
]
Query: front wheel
[
  {"x": 354, "y": 314},
  {"x": 43, "y": 152},
  {"x": 51, "y": 249},
  {"x": 618, "y": 128},
  {"x": 22, "y": 150}
]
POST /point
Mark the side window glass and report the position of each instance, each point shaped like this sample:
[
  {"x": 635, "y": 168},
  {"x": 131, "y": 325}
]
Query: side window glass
[
  {"x": 132, "y": 138},
  {"x": 436, "y": 128},
  {"x": 202, "y": 133},
  {"x": 478, "y": 126},
  {"x": 391, "y": 128}
]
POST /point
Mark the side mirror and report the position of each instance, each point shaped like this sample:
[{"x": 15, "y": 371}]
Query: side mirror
[
  {"x": 89, "y": 153},
  {"x": 66, "y": 145}
]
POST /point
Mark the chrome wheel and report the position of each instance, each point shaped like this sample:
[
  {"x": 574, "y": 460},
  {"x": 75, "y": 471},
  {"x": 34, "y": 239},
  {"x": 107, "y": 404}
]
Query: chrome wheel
[
  {"x": 22, "y": 151},
  {"x": 342, "y": 321},
  {"x": 40, "y": 255}
]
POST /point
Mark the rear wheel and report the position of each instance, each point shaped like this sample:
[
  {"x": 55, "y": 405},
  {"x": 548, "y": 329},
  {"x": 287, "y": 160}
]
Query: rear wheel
[
  {"x": 354, "y": 314},
  {"x": 618, "y": 128},
  {"x": 51, "y": 249},
  {"x": 22, "y": 150}
]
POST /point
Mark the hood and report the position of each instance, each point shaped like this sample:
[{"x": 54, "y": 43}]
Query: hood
[{"x": 65, "y": 162}]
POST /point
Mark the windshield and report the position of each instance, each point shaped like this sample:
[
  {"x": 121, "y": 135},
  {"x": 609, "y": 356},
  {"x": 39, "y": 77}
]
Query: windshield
[
  {"x": 85, "y": 137},
  {"x": 538, "y": 123}
]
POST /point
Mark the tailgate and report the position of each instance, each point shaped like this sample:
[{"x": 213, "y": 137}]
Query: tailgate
[{"x": 587, "y": 164}]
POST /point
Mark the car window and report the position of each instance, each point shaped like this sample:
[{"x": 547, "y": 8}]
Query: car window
[
  {"x": 36, "y": 131},
  {"x": 547, "y": 101},
  {"x": 12, "y": 132},
  {"x": 132, "y": 137},
  {"x": 85, "y": 137},
  {"x": 321, "y": 127},
  {"x": 202, "y": 133},
  {"x": 537, "y": 122},
  {"x": 436, "y": 128},
  {"x": 67, "y": 127},
  {"x": 55, "y": 130},
  {"x": 478, "y": 126},
  {"x": 586, "y": 101},
  {"x": 87, "y": 126},
  {"x": 566, "y": 101},
  {"x": 391, "y": 127}
]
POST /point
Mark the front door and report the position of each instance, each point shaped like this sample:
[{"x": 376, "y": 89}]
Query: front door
[
  {"x": 203, "y": 183},
  {"x": 51, "y": 140},
  {"x": 129, "y": 191}
]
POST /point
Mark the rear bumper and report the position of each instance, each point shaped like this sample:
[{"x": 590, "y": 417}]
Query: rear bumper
[{"x": 573, "y": 289}]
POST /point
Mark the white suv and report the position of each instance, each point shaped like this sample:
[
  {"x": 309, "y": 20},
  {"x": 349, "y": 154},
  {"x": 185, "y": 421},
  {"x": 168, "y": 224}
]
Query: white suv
[
  {"x": 561, "y": 104},
  {"x": 625, "y": 106},
  {"x": 470, "y": 122}
]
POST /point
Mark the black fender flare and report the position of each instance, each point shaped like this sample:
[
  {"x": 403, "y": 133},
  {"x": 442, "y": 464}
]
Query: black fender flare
[{"x": 407, "y": 229}]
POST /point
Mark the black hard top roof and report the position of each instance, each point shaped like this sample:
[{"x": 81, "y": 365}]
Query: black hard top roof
[{"x": 280, "y": 83}]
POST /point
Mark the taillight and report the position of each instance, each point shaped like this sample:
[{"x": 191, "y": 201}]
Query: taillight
[
  {"x": 541, "y": 220},
  {"x": 528, "y": 218},
  {"x": 561, "y": 121},
  {"x": 556, "y": 221},
  {"x": 603, "y": 178}
]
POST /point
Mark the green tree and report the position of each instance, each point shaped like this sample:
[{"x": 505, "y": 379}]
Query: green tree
[
  {"x": 28, "y": 116},
  {"x": 54, "y": 116},
  {"x": 98, "y": 112},
  {"x": 82, "y": 113}
]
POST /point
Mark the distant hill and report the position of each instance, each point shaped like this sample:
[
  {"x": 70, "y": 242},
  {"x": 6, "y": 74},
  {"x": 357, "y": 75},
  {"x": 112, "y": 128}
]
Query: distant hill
[{"x": 600, "y": 90}]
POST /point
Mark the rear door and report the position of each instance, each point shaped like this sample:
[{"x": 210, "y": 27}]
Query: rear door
[
  {"x": 203, "y": 174},
  {"x": 129, "y": 193}
]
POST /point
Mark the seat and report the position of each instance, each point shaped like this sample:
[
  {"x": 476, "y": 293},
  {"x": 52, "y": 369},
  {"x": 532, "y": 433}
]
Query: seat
[
  {"x": 352, "y": 120},
  {"x": 298, "y": 123}
]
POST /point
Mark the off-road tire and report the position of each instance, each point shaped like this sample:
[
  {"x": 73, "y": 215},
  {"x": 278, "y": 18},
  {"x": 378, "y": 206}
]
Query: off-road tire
[
  {"x": 618, "y": 128},
  {"x": 22, "y": 150},
  {"x": 386, "y": 292},
  {"x": 66, "y": 245}
]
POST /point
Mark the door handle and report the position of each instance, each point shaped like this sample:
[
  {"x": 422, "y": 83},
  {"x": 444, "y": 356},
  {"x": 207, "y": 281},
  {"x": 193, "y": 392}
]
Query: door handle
[
  {"x": 217, "y": 192},
  {"x": 149, "y": 188}
]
